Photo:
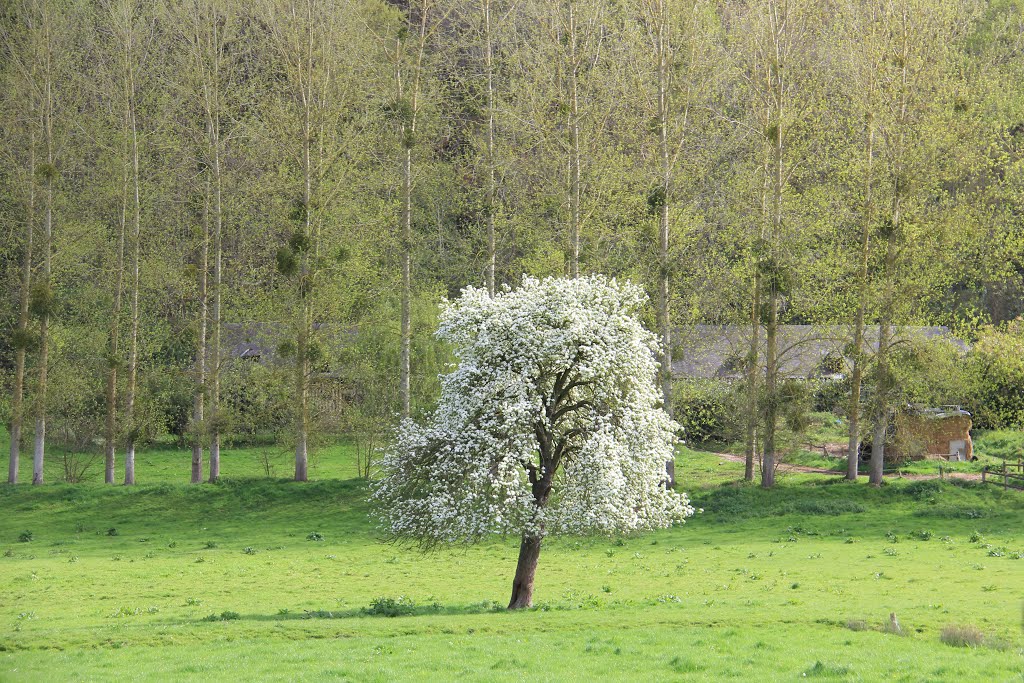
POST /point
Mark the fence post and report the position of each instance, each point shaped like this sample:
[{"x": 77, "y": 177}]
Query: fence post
[{"x": 984, "y": 472}]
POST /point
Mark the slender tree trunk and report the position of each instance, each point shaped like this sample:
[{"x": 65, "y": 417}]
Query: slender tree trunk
[
  {"x": 218, "y": 282},
  {"x": 777, "y": 93},
  {"x": 575, "y": 154},
  {"x": 526, "y": 569},
  {"x": 114, "y": 344},
  {"x": 884, "y": 380},
  {"x": 492, "y": 185},
  {"x": 753, "y": 370},
  {"x": 405, "y": 371},
  {"x": 199, "y": 391},
  {"x": 18, "y": 397},
  {"x": 39, "y": 445},
  {"x": 881, "y": 412},
  {"x": 302, "y": 403},
  {"x": 133, "y": 352},
  {"x": 664, "y": 285},
  {"x": 408, "y": 130},
  {"x": 771, "y": 390},
  {"x": 302, "y": 354},
  {"x": 853, "y": 447}
]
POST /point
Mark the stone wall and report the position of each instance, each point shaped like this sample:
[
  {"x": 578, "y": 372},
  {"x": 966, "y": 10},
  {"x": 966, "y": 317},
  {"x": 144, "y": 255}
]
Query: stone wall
[{"x": 919, "y": 437}]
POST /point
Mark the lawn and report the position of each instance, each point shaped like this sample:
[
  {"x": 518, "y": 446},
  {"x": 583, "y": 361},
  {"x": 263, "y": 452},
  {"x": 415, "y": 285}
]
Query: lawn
[{"x": 270, "y": 579}]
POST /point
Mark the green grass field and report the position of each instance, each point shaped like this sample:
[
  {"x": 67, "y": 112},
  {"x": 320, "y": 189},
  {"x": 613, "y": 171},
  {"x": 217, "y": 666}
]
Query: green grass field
[{"x": 267, "y": 579}]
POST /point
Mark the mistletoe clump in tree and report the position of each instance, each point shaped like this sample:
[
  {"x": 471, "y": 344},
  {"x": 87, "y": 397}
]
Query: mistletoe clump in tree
[{"x": 552, "y": 422}]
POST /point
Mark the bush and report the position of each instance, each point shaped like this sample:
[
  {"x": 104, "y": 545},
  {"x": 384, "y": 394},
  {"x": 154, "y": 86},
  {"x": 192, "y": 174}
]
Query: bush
[
  {"x": 1005, "y": 444},
  {"x": 831, "y": 395},
  {"x": 995, "y": 375},
  {"x": 967, "y": 635},
  {"x": 390, "y": 607},
  {"x": 707, "y": 410}
]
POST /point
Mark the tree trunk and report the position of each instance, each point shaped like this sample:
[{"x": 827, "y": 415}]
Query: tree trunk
[
  {"x": 305, "y": 277},
  {"x": 215, "y": 321},
  {"x": 575, "y": 154},
  {"x": 302, "y": 406},
  {"x": 405, "y": 371},
  {"x": 853, "y": 447},
  {"x": 776, "y": 75},
  {"x": 771, "y": 390},
  {"x": 114, "y": 343},
  {"x": 526, "y": 569},
  {"x": 39, "y": 446},
  {"x": 884, "y": 381},
  {"x": 753, "y": 369},
  {"x": 133, "y": 353},
  {"x": 492, "y": 193},
  {"x": 18, "y": 397},
  {"x": 408, "y": 132},
  {"x": 199, "y": 390},
  {"x": 881, "y": 409}
]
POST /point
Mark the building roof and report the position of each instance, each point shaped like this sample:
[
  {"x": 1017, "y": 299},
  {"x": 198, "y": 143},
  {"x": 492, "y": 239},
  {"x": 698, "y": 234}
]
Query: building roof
[{"x": 720, "y": 351}]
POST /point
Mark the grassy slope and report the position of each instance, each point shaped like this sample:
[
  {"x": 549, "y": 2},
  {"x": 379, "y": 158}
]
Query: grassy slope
[{"x": 762, "y": 585}]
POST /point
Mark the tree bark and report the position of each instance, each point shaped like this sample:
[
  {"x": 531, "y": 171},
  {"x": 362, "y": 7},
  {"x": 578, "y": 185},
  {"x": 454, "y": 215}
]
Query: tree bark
[
  {"x": 776, "y": 84},
  {"x": 39, "y": 445},
  {"x": 884, "y": 379},
  {"x": 133, "y": 353},
  {"x": 305, "y": 276},
  {"x": 881, "y": 416},
  {"x": 18, "y": 397},
  {"x": 853, "y": 447},
  {"x": 218, "y": 281},
  {"x": 492, "y": 185},
  {"x": 114, "y": 343},
  {"x": 753, "y": 370},
  {"x": 575, "y": 154},
  {"x": 199, "y": 390},
  {"x": 526, "y": 569},
  {"x": 408, "y": 133}
]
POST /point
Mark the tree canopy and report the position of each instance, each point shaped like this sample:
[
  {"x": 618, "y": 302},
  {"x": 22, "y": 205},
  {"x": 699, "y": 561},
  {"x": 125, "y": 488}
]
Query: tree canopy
[{"x": 552, "y": 421}]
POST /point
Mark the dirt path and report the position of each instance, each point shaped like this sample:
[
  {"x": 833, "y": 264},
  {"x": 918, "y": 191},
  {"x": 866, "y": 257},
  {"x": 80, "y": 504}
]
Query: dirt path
[{"x": 786, "y": 467}]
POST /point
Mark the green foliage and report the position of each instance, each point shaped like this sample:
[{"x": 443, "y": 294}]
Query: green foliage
[
  {"x": 707, "y": 410},
  {"x": 390, "y": 607},
  {"x": 1005, "y": 444},
  {"x": 41, "y": 299},
  {"x": 995, "y": 376}
]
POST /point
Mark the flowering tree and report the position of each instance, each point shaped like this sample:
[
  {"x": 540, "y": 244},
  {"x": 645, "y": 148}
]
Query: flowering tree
[{"x": 551, "y": 422}]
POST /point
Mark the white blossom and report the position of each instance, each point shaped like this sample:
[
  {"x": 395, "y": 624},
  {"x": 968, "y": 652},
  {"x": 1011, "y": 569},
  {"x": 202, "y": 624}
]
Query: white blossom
[{"x": 551, "y": 421}]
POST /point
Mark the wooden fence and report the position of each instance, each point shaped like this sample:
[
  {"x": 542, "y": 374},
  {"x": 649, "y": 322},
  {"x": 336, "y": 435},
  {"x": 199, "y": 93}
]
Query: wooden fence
[{"x": 1010, "y": 475}]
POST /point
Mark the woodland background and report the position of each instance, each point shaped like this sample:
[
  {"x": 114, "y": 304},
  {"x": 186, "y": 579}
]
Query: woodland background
[{"x": 180, "y": 177}]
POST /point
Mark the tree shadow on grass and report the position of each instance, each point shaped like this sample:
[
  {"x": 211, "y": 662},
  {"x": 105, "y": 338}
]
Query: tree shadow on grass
[{"x": 380, "y": 607}]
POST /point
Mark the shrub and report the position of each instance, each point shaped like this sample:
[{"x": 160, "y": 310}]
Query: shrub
[
  {"x": 967, "y": 635},
  {"x": 226, "y": 615},
  {"x": 390, "y": 607},
  {"x": 831, "y": 395},
  {"x": 315, "y": 536},
  {"x": 25, "y": 536},
  {"x": 707, "y": 410}
]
